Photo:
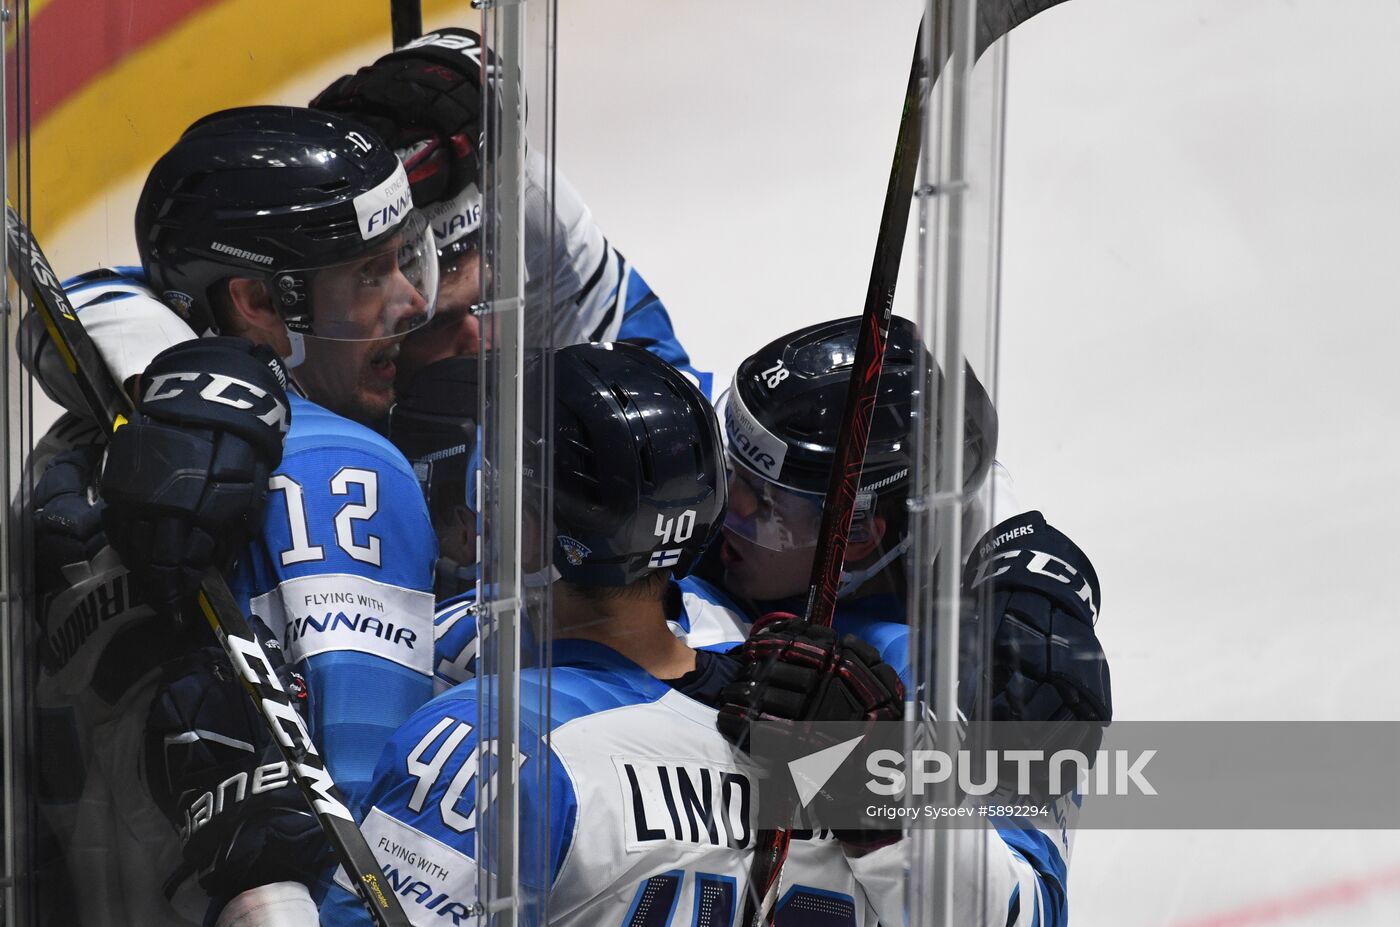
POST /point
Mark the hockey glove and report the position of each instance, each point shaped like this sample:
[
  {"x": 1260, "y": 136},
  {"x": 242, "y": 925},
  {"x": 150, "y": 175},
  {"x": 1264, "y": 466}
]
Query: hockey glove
[
  {"x": 67, "y": 514},
  {"x": 1048, "y": 672},
  {"x": 424, "y": 100},
  {"x": 185, "y": 480},
  {"x": 795, "y": 671},
  {"x": 215, "y": 773}
]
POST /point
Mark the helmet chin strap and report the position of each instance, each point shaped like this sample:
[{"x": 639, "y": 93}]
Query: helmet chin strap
[
  {"x": 539, "y": 579},
  {"x": 851, "y": 581},
  {"x": 298, "y": 342}
]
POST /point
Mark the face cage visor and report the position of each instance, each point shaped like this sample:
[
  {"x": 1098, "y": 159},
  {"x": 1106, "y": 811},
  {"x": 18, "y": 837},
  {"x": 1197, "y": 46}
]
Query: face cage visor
[
  {"x": 385, "y": 292},
  {"x": 769, "y": 515}
]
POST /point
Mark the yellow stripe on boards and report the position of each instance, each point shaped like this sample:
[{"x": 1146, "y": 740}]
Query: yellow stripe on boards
[{"x": 235, "y": 53}]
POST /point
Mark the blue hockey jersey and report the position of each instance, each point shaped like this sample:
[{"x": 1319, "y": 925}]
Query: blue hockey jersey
[{"x": 342, "y": 573}]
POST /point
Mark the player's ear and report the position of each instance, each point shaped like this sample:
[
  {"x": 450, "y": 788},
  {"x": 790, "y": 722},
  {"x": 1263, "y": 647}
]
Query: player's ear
[
  {"x": 250, "y": 305},
  {"x": 249, "y": 311}
]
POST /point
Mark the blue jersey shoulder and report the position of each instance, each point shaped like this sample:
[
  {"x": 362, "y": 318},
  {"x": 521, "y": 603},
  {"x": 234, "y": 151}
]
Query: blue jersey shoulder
[
  {"x": 879, "y": 621},
  {"x": 316, "y": 427},
  {"x": 345, "y": 500},
  {"x": 426, "y": 775},
  {"x": 106, "y": 284},
  {"x": 646, "y": 322},
  {"x": 709, "y": 592},
  {"x": 1040, "y": 852},
  {"x": 586, "y": 678}
]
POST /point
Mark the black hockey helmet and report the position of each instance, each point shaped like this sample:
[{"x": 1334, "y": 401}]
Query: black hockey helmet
[
  {"x": 413, "y": 97},
  {"x": 434, "y": 425},
  {"x": 639, "y": 477},
  {"x": 784, "y": 408},
  {"x": 280, "y": 193}
]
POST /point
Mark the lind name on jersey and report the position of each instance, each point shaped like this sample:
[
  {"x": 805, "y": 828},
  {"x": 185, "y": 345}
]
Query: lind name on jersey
[{"x": 684, "y": 802}]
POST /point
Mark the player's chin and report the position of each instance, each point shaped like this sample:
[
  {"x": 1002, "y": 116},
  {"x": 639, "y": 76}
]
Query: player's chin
[
  {"x": 374, "y": 398},
  {"x": 757, "y": 573},
  {"x": 741, "y": 575}
]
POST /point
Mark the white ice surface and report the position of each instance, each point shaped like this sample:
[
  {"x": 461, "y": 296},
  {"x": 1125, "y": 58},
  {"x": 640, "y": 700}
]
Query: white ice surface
[
  {"x": 1199, "y": 325},
  {"x": 1198, "y": 379}
]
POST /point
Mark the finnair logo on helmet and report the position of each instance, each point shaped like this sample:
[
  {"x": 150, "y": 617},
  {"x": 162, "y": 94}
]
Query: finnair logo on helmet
[
  {"x": 749, "y": 441},
  {"x": 383, "y": 207},
  {"x": 456, "y": 218}
]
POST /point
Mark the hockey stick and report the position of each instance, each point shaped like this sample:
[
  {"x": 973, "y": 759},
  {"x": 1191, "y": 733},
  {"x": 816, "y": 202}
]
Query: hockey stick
[
  {"x": 112, "y": 408},
  {"x": 405, "y": 21},
  {"x": 995, "y": 18}
]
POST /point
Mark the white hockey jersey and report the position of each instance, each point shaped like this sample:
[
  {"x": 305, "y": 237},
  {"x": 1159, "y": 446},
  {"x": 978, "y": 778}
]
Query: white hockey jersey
[{"x": 649, "y": 810}]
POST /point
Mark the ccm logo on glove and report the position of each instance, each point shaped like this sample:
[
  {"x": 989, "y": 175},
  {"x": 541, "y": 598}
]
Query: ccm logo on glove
[
  {"x": 1040, "y": 564},
  {"x": 223, "y": 389}
]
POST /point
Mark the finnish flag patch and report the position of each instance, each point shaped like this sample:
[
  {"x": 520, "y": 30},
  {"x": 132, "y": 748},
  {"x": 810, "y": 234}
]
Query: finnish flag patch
[{"x": 664, "y": 558}]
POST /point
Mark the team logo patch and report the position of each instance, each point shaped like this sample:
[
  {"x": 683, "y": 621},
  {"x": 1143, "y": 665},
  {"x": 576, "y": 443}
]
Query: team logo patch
[
  {"x": 180, "y": 302},
  {"x": 574, "y": 552}
]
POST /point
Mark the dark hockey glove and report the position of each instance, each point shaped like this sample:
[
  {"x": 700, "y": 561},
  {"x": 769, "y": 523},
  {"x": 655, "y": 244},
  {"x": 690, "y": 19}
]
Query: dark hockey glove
[
  {"x": 215, "y": 773},
  {"x": 67, "y": 515},
  {"x": 1048, "y": 673},
  {"x": 425, "y": 99},
  {"x": 185, "y": 480},
  {"x": 795, "y": 671}
]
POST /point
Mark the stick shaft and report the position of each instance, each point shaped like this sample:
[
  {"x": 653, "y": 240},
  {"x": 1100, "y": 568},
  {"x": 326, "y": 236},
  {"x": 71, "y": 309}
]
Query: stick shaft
[
  {"x": 854, "y": 434},
  {"x": 405, "y": 21},
  {"x": 995, "y": 18}
]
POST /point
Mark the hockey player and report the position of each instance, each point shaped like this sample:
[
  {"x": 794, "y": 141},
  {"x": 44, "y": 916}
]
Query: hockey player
[
  {"x": 302, "y": 236},
  {"x": 434, "y": 425},
  {"x": 425, "y": 99},
  {"x": 296, "y": 230},
  {"x": 782, "y": 414},
  {"x": 97, "y": 645}
]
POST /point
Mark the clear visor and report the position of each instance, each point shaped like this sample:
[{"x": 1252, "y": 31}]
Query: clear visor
[
  {"x": 384, "y": 293},
  {"x": 770, "y": 515}
]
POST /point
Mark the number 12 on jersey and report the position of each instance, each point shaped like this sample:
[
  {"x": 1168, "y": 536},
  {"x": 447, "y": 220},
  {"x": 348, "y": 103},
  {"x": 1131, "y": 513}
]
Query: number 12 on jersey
[{"x": 351, "y": 482}]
